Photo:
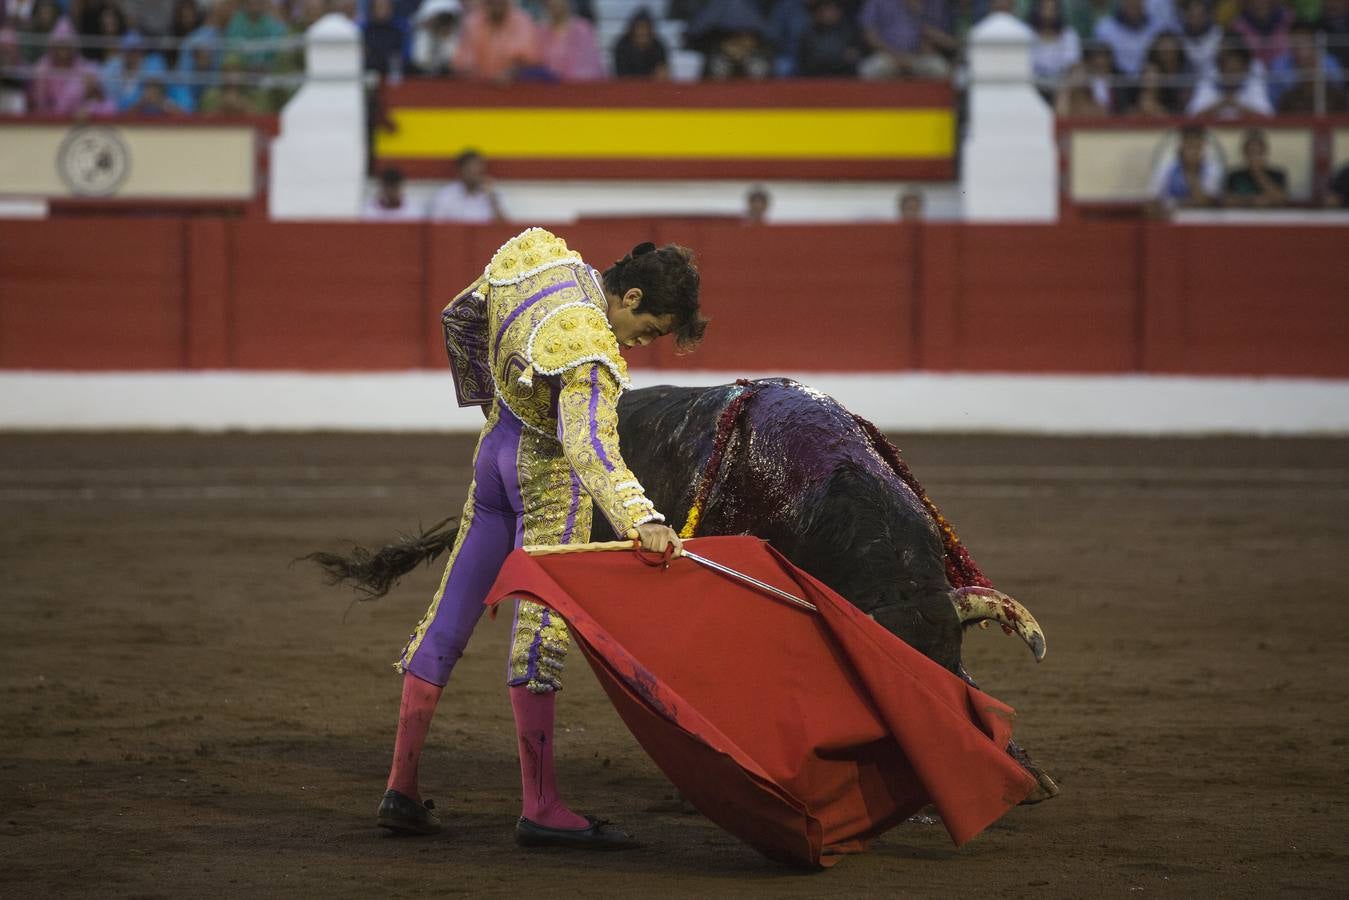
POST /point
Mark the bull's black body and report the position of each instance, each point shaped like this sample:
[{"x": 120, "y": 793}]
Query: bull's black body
[{"x": 800, "y": 472}]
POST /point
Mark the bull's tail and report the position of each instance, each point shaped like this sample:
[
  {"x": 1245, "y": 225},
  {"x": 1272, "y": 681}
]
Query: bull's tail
[{"x": 373, "y": 574}]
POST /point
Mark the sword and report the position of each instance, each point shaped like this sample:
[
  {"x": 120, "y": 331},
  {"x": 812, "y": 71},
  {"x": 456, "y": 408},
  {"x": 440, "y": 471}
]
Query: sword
[{"x": 547, "y": 549}]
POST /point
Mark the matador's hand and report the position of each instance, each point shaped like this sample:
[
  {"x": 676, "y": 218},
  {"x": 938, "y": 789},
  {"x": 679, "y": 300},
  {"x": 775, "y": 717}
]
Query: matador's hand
[{"x": 656, "y": 537}]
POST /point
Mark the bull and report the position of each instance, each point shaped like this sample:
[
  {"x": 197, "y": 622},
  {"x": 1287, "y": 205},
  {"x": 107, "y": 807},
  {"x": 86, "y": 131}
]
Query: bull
[{"x": 775, "y": 459}]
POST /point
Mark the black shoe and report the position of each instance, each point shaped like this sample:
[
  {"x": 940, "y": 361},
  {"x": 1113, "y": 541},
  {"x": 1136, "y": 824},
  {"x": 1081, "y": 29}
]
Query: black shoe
[
  {"x": 599, "y": 835},
  {"x": 400, "y": 813}
]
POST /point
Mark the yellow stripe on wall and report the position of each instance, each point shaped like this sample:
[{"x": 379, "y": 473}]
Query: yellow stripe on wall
[{"x": 552, "y": 133}]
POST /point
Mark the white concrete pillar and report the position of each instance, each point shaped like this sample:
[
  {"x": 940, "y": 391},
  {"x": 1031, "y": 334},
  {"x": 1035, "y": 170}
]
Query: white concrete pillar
[
  {"x": 1009, "y": 163},
  {"x": 318, "y": 162}
]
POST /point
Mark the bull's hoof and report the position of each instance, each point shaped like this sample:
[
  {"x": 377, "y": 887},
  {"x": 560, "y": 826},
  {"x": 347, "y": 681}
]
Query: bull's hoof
[{"x": 1045, "y": 788}]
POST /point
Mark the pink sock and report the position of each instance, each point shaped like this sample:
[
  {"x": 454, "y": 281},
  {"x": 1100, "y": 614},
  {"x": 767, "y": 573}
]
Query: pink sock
[
  {"x": 534, "y": 728},
  {"x": 414, "y": 719}
]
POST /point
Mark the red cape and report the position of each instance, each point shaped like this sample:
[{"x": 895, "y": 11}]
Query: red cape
[{"x": 805, "y": 735}]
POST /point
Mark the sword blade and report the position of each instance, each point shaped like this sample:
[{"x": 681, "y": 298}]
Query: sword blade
[{"x": 750, "y": 580}]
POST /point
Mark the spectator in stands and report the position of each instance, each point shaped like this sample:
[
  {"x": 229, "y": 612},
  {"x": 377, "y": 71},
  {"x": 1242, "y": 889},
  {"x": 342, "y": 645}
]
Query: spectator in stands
[
  {"x": 833, "y": 46},
  {"x": 388, "y": 203},
  {"x": 1334, "y": 23},
  {"x": 58, "y": 78},
  {"x": 639, "y": 53},
  {"x": 571, "y": 51},
  {"x": 1129, "y": 33},
  {"x": 788, "y": 23},
  {"x": 1084, "y": 14},
  {"x": 13, "y": 75},
  {"x": 40, "y": 24},
  {"x": 1055, "y": 48},
  {"x": 1164, "y": 86},
  {"x": 231, "y": 96},
  {"x": 1264, "y": 25},
  {"x": 255, "y": 21},
  {"x": 436, "y": 37},
  {"x": 757, "y": 202},
  {"x": 196, "y": 65},
  {"x": 1293, "y": 76},
  {"x": 387, "y": 40},
  {"x": 187, "y": 18},
  {"x": 1075, "y": 96},
  {"x": 1235, "y": 91},
  {"x": 125, "y": 72},
  {"x": 499, "y": 42},
  {"x": 95, "y": 103},
  {"x": 1337, "y": 192},
  {"x": 152, "y": 17},
  {"x": 911, "y": 206},
  {"x": 108, "y": 25},
  {"x": 471, "y": 197},
  {"x": 1089, "y": 89},
  {"x": 1194, "y": 178},
  {"x": 153, "y": 100},
  {"x": 211, "y": 33},
  {"x": 738, "y": 55},
  {"x": 908, "y": 38},
  {"x": 1200, "y": 36},
  {"x": 1257, "y": 183}
]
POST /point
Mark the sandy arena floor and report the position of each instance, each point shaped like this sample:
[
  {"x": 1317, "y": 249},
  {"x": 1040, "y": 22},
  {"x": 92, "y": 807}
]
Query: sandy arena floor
[{"x": 183, "y": 713}]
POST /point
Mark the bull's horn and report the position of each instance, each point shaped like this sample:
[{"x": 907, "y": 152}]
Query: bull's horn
[{"x": 977, "y": 604}]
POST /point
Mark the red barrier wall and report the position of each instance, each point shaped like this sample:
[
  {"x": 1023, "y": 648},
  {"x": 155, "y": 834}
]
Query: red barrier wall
[{"x": 200, "y": 292}]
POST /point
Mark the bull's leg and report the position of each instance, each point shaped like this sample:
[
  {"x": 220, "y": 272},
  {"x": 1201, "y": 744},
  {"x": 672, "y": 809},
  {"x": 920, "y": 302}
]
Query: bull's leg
[{"x": 1045, "y": 786}]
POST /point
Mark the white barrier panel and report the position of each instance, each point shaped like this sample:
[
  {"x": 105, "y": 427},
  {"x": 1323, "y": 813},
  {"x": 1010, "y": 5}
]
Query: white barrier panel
[{"x": 912, "y": 402}]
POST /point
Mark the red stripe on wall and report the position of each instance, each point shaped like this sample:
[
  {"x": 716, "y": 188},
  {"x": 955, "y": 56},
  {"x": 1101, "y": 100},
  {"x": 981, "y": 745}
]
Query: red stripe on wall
[{"x": 170, "y": 293}]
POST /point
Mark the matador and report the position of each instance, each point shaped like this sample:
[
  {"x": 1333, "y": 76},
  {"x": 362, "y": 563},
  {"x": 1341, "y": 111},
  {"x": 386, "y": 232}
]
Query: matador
[{"x": 536, "y": 342}]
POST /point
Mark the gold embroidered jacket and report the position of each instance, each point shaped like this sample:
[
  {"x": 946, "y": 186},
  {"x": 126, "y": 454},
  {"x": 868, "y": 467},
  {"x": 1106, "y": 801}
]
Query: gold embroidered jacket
[{"x": 532, "y": 332}]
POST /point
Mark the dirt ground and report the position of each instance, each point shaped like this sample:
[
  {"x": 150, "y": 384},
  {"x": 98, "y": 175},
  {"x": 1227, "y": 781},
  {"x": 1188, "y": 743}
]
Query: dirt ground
[{"x": 183, "y": 713}]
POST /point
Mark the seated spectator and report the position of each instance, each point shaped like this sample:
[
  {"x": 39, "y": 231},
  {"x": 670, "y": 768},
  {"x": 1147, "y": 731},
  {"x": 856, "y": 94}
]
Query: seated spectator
[
  {"x": 1334, "y": 23},
  {"x": 1257, "y": 183},
  {"x": 1235, "y": 90},
  {"x": 571, "y": 51},
  {"x": 907, "y": 38},
  {"x": 471, "y": 197},
  {"x": 1200, "y": 36},
  {"x": 788, "y": 22},
  {"x": 833, "y": 46},
  {"x": 196, "y": 70},
  {"x": 1264, "y": 26},
  {"x": 1293, "y": 76},
  {"x": 911, "y": 206},
  {"x": 1337, "y": 192},
  {"x": 436, "y": 37},
  {"x": 152, "y": 17},
  {"x": 13, "y": 75},
  {"x": 386, "y": 39},
  {"x": 95, "y": 103},
  {"x": 1164, "y": 86},
  {"x": 1100, "y": 74},
  {"x": 59, "y": 76},
  {"x": 153, "y": 100},
  {"x": 1055, "y": 48},
  {"x": 1129, "y": 33},
  {"x": 187, "y": 18},
  {"x": 1194, "y": 178},
  {"x": 110, "y": 26},
  {"x": 757, "y": 202},
  {"x": 1075, "y": 95},
  {"x": 41, "y": 24},
  {"x": 738, "y": 55},
  {"x": 255, "y": 21},
  {"x": 639, "y": 53},
  {"x": 499, "y": 42},
  {"x": 231, "y": 96},
  {"x": 125, "y": 72},
  {"x": 1083, "y": 15},
  {"x": 388, "y": 204}
]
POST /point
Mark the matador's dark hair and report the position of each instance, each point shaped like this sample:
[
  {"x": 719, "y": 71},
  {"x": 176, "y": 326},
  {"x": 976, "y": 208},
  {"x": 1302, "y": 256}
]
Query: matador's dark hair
[{"x": 668, "y": 279}]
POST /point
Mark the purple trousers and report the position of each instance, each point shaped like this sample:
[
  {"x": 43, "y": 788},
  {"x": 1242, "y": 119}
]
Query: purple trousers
[{"x": 523, "y": 491}]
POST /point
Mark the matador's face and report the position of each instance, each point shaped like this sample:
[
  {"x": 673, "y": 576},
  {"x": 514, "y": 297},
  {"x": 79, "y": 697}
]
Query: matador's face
[{"x": 632, "y": 328}]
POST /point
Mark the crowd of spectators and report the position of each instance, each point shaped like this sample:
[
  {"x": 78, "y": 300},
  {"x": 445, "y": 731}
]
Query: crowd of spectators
[{"x": 1090, "y": 57}]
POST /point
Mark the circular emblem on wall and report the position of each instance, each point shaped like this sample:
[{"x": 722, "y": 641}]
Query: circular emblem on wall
[{"x": 93, "y": 161}]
